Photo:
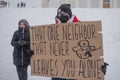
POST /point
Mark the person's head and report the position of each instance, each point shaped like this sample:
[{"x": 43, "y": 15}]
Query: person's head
[
  {"x": 64, "y": 13},
  {"x": 23, "y": 23}
]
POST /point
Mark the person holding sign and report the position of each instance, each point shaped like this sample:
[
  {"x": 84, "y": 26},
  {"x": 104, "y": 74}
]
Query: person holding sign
[
  {"x": 64, "y": 15},
  {"x": 21, "y": 53}
]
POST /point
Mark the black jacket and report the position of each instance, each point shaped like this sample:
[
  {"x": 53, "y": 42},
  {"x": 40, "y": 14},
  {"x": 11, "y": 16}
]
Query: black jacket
[{"x": 20, "y": 55}]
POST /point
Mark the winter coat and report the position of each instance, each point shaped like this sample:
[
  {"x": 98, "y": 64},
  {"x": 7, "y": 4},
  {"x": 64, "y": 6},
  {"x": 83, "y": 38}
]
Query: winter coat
[
  {"x": 72, "y": 19},
  {"x": 20, "y": 55}
]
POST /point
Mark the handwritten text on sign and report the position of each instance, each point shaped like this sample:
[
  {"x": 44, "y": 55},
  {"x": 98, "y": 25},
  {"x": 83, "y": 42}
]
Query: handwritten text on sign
[{"x": 68, "y": 50}]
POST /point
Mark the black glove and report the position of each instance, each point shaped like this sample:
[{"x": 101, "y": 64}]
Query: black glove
[
  {"x": 21, "y": 42},
  {"x": 30, "y": 52},
  {"x": 104, "y": 67}
]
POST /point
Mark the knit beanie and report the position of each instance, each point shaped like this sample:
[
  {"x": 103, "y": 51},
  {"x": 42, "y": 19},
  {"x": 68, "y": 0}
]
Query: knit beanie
[{"x": 66, "y": 8}]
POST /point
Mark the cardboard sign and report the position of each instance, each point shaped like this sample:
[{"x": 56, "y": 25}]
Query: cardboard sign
[{"x": 71, "y": 50}]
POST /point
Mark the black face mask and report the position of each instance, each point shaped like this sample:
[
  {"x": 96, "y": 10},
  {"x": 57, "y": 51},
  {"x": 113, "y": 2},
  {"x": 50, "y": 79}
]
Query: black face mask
[{"x": 63, "y": 17}]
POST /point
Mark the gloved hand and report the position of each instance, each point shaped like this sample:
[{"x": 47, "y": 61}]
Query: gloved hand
[
  {"x": 21, "y": 42},
  {"x": 30, "y": 52},
  {"x": 104, "y": 67}
]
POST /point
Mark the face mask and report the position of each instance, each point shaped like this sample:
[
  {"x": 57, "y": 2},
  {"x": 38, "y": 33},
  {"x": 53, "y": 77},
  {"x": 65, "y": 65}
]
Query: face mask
[{"x": 63, "y": 17}]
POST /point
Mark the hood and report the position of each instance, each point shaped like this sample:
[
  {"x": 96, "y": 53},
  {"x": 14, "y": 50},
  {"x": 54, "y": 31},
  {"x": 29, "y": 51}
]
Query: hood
[{"x": 25, "y": 22}]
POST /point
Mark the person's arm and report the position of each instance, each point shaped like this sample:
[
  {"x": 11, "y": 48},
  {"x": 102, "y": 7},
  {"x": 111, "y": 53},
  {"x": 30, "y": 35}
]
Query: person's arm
[
  {"x": 28, "y": 40},
  {"x": 14, "y": 41}
]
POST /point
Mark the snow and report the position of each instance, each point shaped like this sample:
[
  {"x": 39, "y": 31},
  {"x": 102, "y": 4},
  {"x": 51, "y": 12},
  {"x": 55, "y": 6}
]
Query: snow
[{"x": 9, "y": 18}]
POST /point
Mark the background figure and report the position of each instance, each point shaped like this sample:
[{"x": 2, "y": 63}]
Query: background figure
[
  {"x": 21, "y": 5},
  {"x": 18, "y": 5}
]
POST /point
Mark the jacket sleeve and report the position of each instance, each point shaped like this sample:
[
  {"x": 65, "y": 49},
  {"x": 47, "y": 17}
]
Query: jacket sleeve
[
  {"x": 14, "y": 40},
  {"x": 28, "y": 43},
  {"x": 75, "y": 19},
  {"x": 28, "y": 40}
]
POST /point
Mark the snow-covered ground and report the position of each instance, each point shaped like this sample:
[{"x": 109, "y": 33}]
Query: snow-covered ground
[{"x": 9, "y": 18}]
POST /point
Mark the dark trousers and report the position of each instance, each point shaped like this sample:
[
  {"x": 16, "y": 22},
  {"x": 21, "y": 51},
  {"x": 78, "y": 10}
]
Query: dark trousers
[
  {"x": 22, "y": 72},
  {"x": 58, "y": 79},
  {"x": 61, "y": 79}
]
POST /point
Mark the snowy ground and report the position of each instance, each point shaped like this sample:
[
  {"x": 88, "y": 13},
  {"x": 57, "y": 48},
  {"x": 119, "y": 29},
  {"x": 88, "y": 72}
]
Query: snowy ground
[{"x": 8, "y": 24}]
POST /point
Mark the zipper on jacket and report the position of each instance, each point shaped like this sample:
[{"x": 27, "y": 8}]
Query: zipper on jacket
[
  {"x": 22, "y": 47},
  {"x": 22, "y": 56}
]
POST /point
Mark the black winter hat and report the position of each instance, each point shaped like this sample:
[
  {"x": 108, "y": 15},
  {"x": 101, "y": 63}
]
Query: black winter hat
[{"x": 66, "y": 8}]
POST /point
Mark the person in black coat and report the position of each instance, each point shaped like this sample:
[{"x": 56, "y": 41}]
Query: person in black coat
[{"x": 21, "y": 44}]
